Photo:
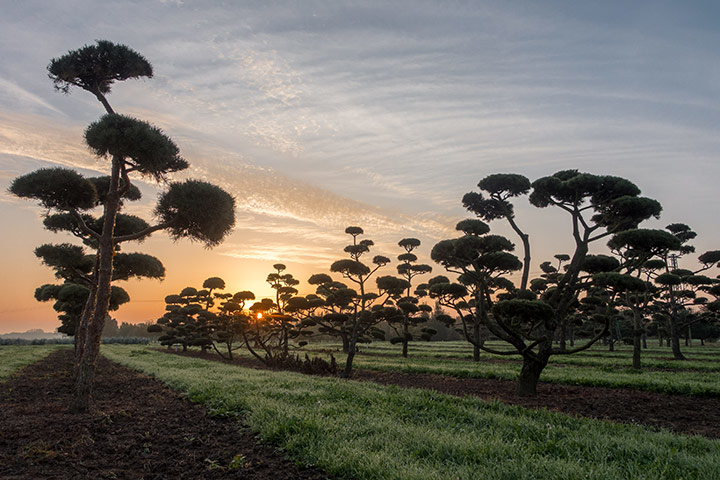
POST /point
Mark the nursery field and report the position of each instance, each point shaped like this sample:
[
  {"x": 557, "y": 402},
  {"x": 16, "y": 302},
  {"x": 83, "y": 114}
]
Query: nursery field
[
  {"x": 595, "y": 367},
  {"x": 365, "y": 430}
]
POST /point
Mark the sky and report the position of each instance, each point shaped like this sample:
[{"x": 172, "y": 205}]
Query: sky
[{"x": 321, "y": 115}]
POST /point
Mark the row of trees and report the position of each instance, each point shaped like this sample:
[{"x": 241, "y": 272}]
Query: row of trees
[
  {"x": 590, "y": 294},
  {"x": 207, "y": 318}
]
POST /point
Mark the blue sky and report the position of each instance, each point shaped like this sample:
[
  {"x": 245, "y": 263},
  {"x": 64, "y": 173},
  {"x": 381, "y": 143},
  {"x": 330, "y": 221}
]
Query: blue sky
[{"x": 319, "y": 115}]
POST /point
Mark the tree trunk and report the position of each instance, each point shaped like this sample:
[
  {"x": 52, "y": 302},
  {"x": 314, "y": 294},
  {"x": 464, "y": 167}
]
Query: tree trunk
[
  {"x": 347, "y": 372},
  {"x": 476, "y": 343},
  {"x": 345, "y": 342},
  {"x": 644, "y": 340},
  {"x": 103, "y": 279},
  {"x": 572, "y": 336},
  {"x": 563, "y": 337},
  {"x": 406, "y": 334},
  {"x": 529, "y": 376},
  {"x": 637, "y": 334},
  {"x": 81, "y": 332},
  {"x": 284, "y": 337},
  {"x": 675, "y": 337}
]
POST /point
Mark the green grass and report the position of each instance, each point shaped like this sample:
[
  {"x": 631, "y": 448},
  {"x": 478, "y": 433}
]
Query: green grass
[
  {"x": 364, "y": 430},
  {"x": 14, "y": 357},
  {"x": 623, "y": 358},
  {"x": 578, "y": 369},
  {"x": 688, "y": 383}
]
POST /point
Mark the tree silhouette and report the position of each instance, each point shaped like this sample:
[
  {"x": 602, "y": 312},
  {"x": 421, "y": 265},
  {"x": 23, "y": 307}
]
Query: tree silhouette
[
  {"x": 231, "y": 321},
  {"x": 284, "y": 286},
  {"x": 359, "y": 318},
  {"x": 412, "y": 313},
  {"x": 330, "y": 307},
  {"x": 192, "y": 209},
  {"x": 598, "y": 206},
  {"x": 500, "y": 187},
  {"x": 481, "y": 261},
  {"x": 680, "y": 287},
  {"x": 187, "y": 321}
]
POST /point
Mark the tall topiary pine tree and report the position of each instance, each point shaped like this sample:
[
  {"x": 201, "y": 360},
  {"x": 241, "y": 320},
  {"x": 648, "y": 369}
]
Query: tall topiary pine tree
[{"x": 193, "y": 209}]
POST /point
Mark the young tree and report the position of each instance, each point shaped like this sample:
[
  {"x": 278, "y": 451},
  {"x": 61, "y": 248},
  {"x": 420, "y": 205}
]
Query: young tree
[
  {"x": 636, "y": 249},
  {"x": 412, "y": 313},
  {"x": 359, "y": 318},
  {"x": 481, "y": 261},
  {"x": 186, "y": 320},
  {"x": 284, "y": 286},
  {"x": 330, "y": 307},
  {"x": 230, "y": 322},
  {"x": 192, "y": 209}
]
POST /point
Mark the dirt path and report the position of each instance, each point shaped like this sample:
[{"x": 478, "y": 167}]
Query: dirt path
[
  {"x": 139, "y": 430},
  {"x": 679, "y": 413}
]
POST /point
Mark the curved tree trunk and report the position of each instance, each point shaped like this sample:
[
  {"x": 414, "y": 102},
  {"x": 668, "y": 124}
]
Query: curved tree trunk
[
  {"x": 529, "y": 376},
  {"x": 675, "y": 340},
  {"x": 106, "y": 250}
]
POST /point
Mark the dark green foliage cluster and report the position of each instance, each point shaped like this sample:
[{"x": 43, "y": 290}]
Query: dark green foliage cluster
[
  {"x": 96, "y": 67},
  {"x": 145, "y": 147},
  {"x": 197, "y": 210},
  {"x": 56, "y": 188}
]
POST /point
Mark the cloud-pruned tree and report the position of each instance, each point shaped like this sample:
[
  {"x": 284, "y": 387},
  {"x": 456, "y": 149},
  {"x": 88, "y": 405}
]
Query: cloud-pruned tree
[
  {"x": 408, "y": 313},
  {"x": 356, "y": 318},
  {"x": 599, "y": 206},
  {"x": 500, "y": 188},
  {"x": 192, "y": 209}
]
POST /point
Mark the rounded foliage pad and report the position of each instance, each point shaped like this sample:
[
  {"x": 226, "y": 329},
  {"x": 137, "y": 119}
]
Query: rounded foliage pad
[
  {"x": 198, "y": 210},
  {"x": 145, "y": 147}
]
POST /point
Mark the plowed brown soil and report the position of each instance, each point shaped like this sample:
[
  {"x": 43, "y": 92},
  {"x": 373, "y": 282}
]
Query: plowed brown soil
[{"x": 139, "y": 429}]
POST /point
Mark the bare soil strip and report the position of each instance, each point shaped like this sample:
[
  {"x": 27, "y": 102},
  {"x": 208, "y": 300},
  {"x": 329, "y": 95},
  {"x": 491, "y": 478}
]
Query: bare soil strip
[
  {"x": 138, "y": 430},
  {"x": 679, "y": 413}
]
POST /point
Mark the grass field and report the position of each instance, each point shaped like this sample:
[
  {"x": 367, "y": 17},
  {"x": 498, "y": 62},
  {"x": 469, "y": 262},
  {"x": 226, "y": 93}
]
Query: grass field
[
  {"x": 14, "y": 357},
  {"x": 364, "y": 430},
  {"x": 595, "y": 367}
]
